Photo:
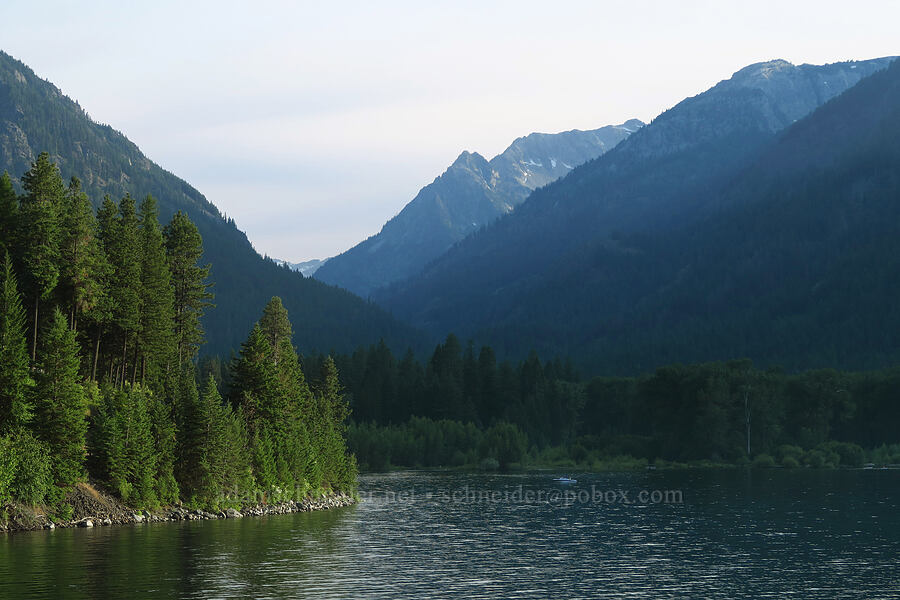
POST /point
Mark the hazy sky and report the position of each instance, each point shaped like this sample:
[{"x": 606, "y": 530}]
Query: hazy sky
[{"x": 312, "y": 123}]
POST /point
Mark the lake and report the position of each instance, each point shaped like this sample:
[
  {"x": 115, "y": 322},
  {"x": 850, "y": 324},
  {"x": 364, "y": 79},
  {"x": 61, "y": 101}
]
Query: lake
[{"x": 684, "y": 533}]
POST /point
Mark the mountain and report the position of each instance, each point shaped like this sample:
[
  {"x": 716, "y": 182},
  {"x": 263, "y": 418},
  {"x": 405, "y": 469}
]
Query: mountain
[
  {"x": 35, "y": 116},
  {"x": 306, "y": 267},
  {"x": 588, "y": 266},
  {"x": 471, "y": 193}
]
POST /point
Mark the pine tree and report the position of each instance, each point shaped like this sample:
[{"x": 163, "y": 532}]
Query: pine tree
[
  {"x": 254, "y": 380},
  {"x": 184, "y": 248},
  {"x": 59, "y": 400},
  {"x": 101, "y": 316},
  {"x": 83, "y": 264},
  {"x": 338, "y": 469},
  {"x": 276, "y": 326},
  {"x": 9, "y": 214},
  {"x": 127, "y": 451},
  {"x": 269, "y": 386},
  {"x": 141, "y": 448},
  {"x": 264, "y": 462},
  {"x": 156, "y": 338},
  {"x": 189, "y": 420},
  {"x": 15, "y": 410},
  {"x": 214, "y": 466},
  {"x": 239, "y": 473},
  {"x": 165, "y": 444},
  {"x": 39, "y": 231},
  {"x": 124, "y": 252}
]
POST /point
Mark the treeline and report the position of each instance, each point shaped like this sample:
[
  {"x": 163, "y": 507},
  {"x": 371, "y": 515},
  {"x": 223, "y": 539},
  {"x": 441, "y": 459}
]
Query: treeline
[
  {"x": 99, "y": 329},
  {"x": 680, "y": 413},
  {"x": 461, "y": 384}
]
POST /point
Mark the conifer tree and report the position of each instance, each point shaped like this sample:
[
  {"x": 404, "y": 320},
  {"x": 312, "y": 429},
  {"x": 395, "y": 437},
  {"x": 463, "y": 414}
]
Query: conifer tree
[
  {"x": 184, "y": 248},
  {"x": 239, "y": 473},
  {"x": 292, "y": 396},
  {"x": 254, "y": 380},
  {"x": 125, "y": 444},
  {"x": 156, "y": 338},
  {"x": 165, "y": 443},
  {"x": 189, "y": 420},
  {"x": 39, "y": 232},
  {"x": 140, "y": 449},
  {"x": 264, "y": 462},
  {"x": 15, "y": 410},
  {"x": 124, "y": 254},
  {"x": 101, "y": 316},
  {"x": 83, "y": 263},
  {"x": 276, "y": 326},
  {"x": 337, "y": 469},
  {"x": 59, "y": 400},
  {"x": 213, "y": 466},
  {"x": 9, "y": 213},
  {"x": 274, "y": 397}
]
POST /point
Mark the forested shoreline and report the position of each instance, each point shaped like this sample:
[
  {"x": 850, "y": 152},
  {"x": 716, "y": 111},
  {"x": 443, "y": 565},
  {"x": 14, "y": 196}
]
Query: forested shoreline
[
  {"x": 100, "y": 325},
  {"x": 463, "y": 408},
  {"x": 100, "y": 381}
]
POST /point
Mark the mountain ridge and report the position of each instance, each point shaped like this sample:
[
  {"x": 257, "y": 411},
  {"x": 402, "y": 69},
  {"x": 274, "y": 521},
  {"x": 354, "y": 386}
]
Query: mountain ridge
[
  {"x": 470, "y": 193},
  {"x": 662, "y": 178}
]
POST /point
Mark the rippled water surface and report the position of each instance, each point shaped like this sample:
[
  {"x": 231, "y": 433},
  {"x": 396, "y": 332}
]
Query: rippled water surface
[{"x": 734, "y": 534}]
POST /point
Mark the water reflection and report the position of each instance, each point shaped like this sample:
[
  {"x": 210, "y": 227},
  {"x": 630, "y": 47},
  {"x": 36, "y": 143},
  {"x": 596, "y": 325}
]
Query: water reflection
[{"x": 752, "y": 534}]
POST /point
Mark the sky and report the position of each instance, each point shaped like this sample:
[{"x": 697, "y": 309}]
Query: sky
[{"x": 313, "y": 123}]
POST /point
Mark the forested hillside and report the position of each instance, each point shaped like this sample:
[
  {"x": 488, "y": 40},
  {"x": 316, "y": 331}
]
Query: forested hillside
[
  {"x": 605, "y": 265},
  {"x": 35, "y": 116},
  {"x": 100, "y": 325}
]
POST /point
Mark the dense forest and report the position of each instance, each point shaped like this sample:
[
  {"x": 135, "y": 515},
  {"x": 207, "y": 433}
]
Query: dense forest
[
  {"x": 100, "y": 326},
  {"x": 465, "y": 408}
]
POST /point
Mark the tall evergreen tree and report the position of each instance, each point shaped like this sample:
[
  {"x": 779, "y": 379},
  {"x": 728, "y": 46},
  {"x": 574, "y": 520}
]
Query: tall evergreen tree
[
  {"x": 15, "y": 409},
  {"x": 59, "y": 400},
  {"x": 101, "y": 315},
  {"x": 165, "y": 438},
  {"x": 254, "y": 381},
  {"x": 338, "y": 470},
  {"x": 124, "y": 253},
  {"x": 276, "y": 326},
  {"x": 82, "y": 261},
  {"x": 9, "y": 213},
  {"x": 156, "y": 339},
  {"x": 39, "y": 232},
  {"x": 184, "y": 248},
  {"x": 189, "y": 420},
  {"x": 213, "y": 466}
]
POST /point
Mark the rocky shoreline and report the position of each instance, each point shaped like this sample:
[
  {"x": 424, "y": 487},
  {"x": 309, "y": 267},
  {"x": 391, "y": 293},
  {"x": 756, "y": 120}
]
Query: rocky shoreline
[{"x": 95, "y": 509}]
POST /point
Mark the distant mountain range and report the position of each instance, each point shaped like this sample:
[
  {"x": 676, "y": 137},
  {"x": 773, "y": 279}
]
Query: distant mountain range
[
  {"x": 35, "y": 116},
  {"x": 306, "y": 267},
  {"x": 735, "y": 224},
  {"x": 471, "y": 193}
]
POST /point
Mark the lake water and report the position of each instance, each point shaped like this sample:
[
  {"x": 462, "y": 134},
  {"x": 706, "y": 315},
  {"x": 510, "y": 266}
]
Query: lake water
[{"x": 730, "y": 534}]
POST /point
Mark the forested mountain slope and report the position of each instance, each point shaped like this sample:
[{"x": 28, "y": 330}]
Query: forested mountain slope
[
  {"x": 35, "y": 116},
  {"x": 589, "y": 266}
]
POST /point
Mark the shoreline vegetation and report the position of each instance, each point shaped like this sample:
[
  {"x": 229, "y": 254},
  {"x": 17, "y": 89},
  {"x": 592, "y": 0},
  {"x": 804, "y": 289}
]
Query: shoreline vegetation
[
  {"x": 91, "y": 507},
  {"x": 100, "y": 327}
]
